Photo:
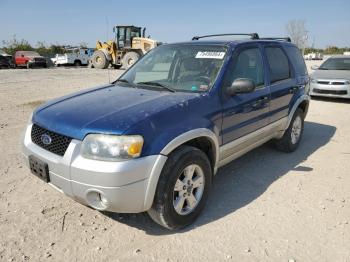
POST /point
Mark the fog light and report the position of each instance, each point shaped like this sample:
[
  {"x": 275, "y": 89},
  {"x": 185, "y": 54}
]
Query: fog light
[
  {"x": 104, "y": 200},
  {"x": 97, "y": 200}
]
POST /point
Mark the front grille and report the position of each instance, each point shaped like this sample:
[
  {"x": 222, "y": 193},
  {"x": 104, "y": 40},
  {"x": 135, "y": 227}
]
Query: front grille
[
  {"x": 59, "y": 143},
  {"x": 330, "y": 92},
  {"x": 323, "y": 82},
  {"x": 330, "y": 83}
]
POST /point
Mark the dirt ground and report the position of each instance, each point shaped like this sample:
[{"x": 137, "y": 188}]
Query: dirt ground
[{"x": 265, "y": 206}]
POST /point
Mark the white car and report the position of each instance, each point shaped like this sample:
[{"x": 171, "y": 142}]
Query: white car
[
  {"x": 313, "y": 56},
  {"x": 73, "y": 56},
  {"x": 332, "y": 78}
]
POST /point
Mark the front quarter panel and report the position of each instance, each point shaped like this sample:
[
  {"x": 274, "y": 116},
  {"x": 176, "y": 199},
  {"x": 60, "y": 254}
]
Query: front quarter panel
[{"x": 158, "y": 130}]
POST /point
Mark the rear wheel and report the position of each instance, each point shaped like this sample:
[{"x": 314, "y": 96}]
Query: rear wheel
[
  {"x": 292, "y": 136},
  {"x": 77, "y": 63},
  {"x": 99, "y": 60},
  {"x": 129, "y": 59},
  {"x": 182, "y": 189}
]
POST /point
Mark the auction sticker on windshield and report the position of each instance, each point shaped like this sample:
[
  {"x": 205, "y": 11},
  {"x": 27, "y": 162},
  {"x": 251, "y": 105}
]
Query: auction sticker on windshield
[{"x": 208, "y": 54}]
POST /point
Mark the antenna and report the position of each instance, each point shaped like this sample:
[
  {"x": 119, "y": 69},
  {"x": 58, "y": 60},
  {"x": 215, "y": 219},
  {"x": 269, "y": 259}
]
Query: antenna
[{"x": 107, "y": 35}]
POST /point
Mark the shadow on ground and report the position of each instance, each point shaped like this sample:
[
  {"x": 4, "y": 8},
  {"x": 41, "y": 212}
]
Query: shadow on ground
[{"x": 243, "y": 180}]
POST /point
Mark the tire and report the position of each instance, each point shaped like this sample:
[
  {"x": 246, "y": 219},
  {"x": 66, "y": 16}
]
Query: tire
[
  {"x": 129, "y": 59},
  {"x": 167, "y": 196},
  {"x": 77, "y": 63},
  {"x": 292, "y": 136},
  {"x": 99, "y": 60}
]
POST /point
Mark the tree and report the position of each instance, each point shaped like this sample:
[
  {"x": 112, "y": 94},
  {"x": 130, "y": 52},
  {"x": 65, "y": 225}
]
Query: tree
[
  {"x": 14, "y": 45},
  {"x": 297, "y": 32}
]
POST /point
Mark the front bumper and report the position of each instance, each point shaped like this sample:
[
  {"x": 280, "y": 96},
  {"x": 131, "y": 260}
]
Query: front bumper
[
  {"x": 329, "y": 90},
  {"x": 125, "y": 186}
]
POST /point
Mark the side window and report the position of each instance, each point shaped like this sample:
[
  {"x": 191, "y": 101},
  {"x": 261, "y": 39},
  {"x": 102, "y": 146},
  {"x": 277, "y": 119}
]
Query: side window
[
  {"x": 278, "y": 63},
  {"x": 247, "y": 64},
  {"x": 297, "y": 60}
]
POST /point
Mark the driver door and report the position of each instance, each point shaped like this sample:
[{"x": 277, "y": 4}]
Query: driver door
[{"x": 247, "y": 112}]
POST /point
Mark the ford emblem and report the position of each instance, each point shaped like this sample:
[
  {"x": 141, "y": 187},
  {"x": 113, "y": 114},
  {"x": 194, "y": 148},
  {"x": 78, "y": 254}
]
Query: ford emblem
[{"x": 46, "y": 139}]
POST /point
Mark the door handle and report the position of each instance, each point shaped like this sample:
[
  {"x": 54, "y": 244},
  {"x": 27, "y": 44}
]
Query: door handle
[
  {"x": 294, "y": 89},
  {"x": 264, "y": 99},
  {"x": 260, "y": 101}
]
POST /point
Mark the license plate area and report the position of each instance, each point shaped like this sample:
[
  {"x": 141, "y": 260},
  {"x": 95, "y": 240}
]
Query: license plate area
[{"x": 39, "y": 168}]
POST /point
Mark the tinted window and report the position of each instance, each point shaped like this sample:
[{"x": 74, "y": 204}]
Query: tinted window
[
  {"x": 297, "y": 60},
  {"x": 248, "y": 64},
  {"x": 278, "y": 63}
]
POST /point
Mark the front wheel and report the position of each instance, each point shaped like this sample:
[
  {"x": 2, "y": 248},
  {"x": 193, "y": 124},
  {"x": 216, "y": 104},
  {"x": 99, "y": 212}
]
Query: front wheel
[
  {"x": 292, "y": 136},
  {"x": 99, "y": 60},
  {"x": 129, "y": 59},
  {"x": 182, "y": 189}
]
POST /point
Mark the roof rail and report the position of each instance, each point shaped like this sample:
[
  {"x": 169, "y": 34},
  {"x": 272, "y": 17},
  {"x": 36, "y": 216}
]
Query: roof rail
[
  {"x": 252, "y": 36},
  {"x": 277, "y": 38}
]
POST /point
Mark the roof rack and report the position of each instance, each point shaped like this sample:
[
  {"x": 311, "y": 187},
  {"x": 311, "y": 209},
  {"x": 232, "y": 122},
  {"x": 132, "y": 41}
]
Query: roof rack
[
  {"x": 252, "y": 36},
  {"x": 277, "y": 38}
]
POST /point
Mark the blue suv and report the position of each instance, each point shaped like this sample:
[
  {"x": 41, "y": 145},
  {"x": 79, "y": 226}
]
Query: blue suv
[{"x": 153, "y": 140}]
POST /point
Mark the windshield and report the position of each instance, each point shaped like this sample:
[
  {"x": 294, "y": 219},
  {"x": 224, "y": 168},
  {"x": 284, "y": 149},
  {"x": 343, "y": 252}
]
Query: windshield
[
  {"x": 191, "y": 68},
  {"x": 336, "y": 64}
]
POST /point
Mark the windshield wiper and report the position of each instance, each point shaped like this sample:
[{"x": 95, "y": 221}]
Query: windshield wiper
[{"x": 151, "y": 83}]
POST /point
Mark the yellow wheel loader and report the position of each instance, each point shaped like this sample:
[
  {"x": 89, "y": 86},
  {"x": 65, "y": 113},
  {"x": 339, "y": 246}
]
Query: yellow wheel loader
[{"x": 129, "y": 45}]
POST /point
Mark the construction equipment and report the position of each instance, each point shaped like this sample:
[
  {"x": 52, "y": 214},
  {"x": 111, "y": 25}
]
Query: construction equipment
[{"x": 127, "y": 47}]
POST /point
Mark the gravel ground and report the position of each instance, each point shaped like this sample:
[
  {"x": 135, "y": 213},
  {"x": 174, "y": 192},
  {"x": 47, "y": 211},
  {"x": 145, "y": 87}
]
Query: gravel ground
[{"x": 265, "y": 206}]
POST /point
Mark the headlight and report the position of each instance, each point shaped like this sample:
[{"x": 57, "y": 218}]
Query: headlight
[
  {"x": 111, "y": 147},
  {"x": 314, "y": 81},
  {"x": 347, "y": 82}
]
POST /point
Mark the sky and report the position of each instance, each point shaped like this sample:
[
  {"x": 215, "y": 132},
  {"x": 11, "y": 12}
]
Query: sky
[{"x": 72, "y": 22}]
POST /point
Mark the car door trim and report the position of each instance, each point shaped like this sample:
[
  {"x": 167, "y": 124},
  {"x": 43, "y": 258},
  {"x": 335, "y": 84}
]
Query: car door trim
[{"x": 240, "y": 146}]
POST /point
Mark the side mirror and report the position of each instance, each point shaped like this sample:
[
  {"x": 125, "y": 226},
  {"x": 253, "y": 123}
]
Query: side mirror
[
  {"x": 22, "y": 55},
  {"x": 315, "y": 67},
  {"x": 241, "y": 85}
]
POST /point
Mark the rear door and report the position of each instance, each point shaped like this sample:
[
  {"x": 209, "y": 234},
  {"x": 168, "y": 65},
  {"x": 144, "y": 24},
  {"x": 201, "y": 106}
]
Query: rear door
[
  {"x": 281, "y": 81},
  {"x": 245, "y": 113},
  {"x": 300, "y": 72}
]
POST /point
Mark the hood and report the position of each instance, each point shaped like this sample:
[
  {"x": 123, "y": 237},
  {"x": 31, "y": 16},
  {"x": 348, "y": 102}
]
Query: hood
[
  {"x": 110, "y": 109},
  {"x": 331, "y": 74}
]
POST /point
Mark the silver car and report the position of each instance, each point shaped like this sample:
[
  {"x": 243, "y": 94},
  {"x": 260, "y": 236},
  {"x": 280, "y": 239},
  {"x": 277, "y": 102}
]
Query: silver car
[{"x": 332, "y": 78}]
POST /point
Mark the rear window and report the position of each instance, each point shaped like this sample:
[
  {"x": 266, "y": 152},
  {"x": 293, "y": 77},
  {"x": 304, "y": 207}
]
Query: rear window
[
  {"x": 297, "y": 60},
  {"x": 278, "y": 64}
]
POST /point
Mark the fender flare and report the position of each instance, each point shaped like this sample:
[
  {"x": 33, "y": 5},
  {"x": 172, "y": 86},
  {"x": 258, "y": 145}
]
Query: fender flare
[
  {"x": 295, "y": 106},
  {"x": 172, "y": 145},
  {"x": 195, "y": 133}
]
